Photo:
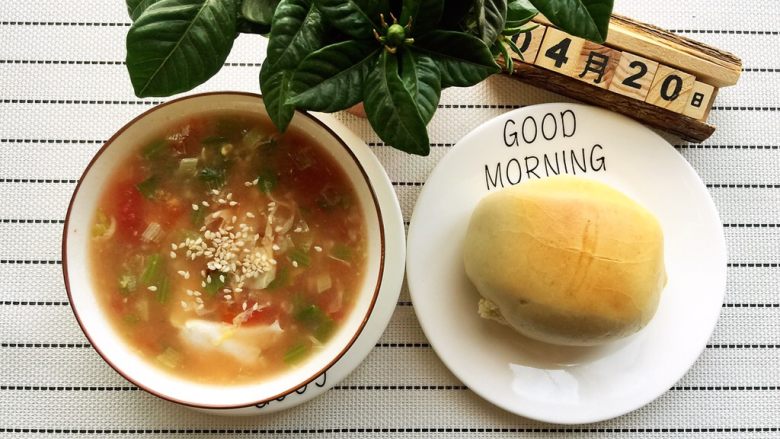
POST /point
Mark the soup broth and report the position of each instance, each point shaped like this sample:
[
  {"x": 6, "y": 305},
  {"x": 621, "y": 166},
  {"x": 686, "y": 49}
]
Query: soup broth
[{"x": 226, "y": 253}]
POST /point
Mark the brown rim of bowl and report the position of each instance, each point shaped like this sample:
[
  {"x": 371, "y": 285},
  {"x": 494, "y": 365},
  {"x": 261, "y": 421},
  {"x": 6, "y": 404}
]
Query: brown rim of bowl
[{"x": 298, "y": 385}]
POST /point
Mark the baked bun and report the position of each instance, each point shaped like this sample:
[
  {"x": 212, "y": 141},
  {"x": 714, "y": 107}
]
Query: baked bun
[{"x": 566, "y": 260}]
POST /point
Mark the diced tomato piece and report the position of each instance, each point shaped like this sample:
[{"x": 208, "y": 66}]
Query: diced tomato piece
[
  {"x": 327, "y": 301},
  {"x": 129, "y": 212},
  {"x": 263, "y": 316}
]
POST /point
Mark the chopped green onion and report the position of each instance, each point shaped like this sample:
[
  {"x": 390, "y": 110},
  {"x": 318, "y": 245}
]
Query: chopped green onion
[
  {"x": 131, "y": 319},
  {"x": 147, "y": 187},
  {"x": 281, "y": 280},
  {"x": 214, "y": 178},
  {"x": 151, "y": 269},
  {"x": 313, "y": 318},
  {"x": 170, "y": 358},
  {"x": 300, "y": 257},
  {"x": 152, "y": 150},
  {"x": 163, "y": 290},
  {"x": 267, "y": 180},
  {"x": 214, "y": 282},
  {"x": 197, "y": 217},
  {"x": 295, "y": 353},
  {"x": 103, "y": 225},
  {"x": 254, "y": 138},
  {"x": 341, "y": 252},
  {"x": 188, "y": 166},
  {"x": 127, "y": 284}
]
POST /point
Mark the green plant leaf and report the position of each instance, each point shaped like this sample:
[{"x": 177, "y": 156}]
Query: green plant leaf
[
  {"x": 331, "y": 79},
  {"x": 463, "y": 60},
  {"x": 275, "y": 87},
  {"x": 136, "y": 7},
  {"x": 583, "y": 18},
  {"x": 175, "y": 45},
  {"x": 259, "y": 11},
  {"x": 456, "y": 13},
  {"x": 491, "y": 17},
  {"x": 519, "y": 12},
  {"x": 250, "y": 27},
  {"x": 423, "y": 80},
  {"x": 425, "y": 14},
  {"x": 392, "y": 110},
  {"x": 356, "y": 18},
  {"x": 297, "y": 30}
]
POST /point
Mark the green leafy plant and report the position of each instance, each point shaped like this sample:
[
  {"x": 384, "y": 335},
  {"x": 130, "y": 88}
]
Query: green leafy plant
[{"x": 328, "y": 55}]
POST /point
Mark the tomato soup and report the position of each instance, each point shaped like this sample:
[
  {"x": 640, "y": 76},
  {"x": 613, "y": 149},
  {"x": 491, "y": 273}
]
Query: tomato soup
[{"x": 225, "y": 252}]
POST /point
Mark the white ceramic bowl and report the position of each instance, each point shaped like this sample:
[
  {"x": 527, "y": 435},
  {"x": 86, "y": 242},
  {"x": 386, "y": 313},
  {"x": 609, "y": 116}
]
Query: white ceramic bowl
[{"x": 107, "y": 342}]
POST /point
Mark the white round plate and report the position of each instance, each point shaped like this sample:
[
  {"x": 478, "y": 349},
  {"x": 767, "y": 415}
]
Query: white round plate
[{"x": 557, "y": 384}]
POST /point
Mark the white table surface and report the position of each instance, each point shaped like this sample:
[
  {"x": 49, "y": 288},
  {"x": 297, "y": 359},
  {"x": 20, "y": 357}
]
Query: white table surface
[{"x": 64, "y": 90}]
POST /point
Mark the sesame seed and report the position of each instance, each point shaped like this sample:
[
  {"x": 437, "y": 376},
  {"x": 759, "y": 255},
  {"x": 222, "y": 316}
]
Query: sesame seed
[
  {"x": 250, "y": 214},
  {"x": 215, "y": 192},
  {"x": 228, "y": 297},
  {"x": 203, "y": 284},
  {"x": 221, "y": 201},
  {"x": 174, "y": 246},
  {"x": 208, "y": 278},
  {"x": 229, "y": 196},
  {"x": 173, "y": 255},
  {"x": 151, "y": 288},
  {"x": 189, "y": 292},
  {"x": 205, "y": 203},
  {"x": 222, "y": 278},
  {"x": 275, "y": 247},
  {"x": 194, "y": 207},
  {"x": 278, "y": 229},
  {"x": 199, "y": 300},
  {"x": 187, "y": 275},
  {"x": 255, "y": 181},
  {"x": 243, "y": 306},
  {"x": 183, "y": 304},
  {"x": 317, "y": 248},
  {"x": 295, "y": 264},
  {"x": 181, "y": 273},
  {"x": 233, "y": 220},
  {"x": 248, "y": 183}
]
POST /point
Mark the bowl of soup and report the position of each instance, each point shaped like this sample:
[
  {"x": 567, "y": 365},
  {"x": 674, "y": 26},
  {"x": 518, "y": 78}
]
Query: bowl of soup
[{"x": 217, "y": 263}]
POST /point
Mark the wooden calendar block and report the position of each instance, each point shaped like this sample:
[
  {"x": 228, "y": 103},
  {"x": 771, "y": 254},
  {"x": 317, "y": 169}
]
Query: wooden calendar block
[
  {"x": 633, "y": 76},
  {"x": 559, "y": 52},
  {"x": 700, "y": 101},
  {"x": 596, "y": 64},
  {"x": 670, "y": 89},
  {"x": 529, "y": 43}
]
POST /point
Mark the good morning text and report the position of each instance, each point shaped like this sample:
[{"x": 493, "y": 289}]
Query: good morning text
[{"x": 545, "y": 128}]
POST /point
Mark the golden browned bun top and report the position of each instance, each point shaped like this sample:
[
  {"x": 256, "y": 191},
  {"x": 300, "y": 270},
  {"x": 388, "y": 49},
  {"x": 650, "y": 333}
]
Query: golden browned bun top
[{"x": 567, "y": 260}]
